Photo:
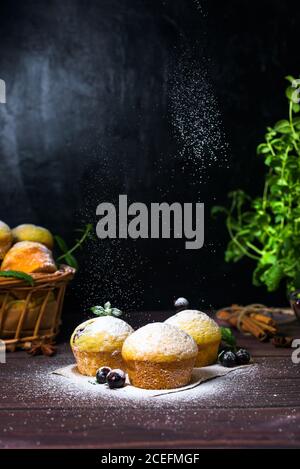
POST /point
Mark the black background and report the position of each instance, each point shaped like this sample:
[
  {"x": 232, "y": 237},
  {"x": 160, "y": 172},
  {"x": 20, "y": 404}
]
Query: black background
[{"x": 90, "y": 88}]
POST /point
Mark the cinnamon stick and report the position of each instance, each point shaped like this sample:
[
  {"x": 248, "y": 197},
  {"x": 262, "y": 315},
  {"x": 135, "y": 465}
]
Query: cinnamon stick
[
  {"x": 248, "y": 325},
  {"x": 229, "y": 317},
  {"x": 266, "y": 327},
  {"x": 262, "y": 318}
]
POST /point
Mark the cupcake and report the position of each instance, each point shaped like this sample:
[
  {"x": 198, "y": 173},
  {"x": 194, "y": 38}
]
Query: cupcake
[
  {"x": 159, "y": 356},
  {"x": 98, "y": 342},
  {"x": 204, "y": 330}
]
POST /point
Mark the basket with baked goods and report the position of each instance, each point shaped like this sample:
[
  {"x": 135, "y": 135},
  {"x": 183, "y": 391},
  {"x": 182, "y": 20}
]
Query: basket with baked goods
[{"x": 32, "y": 287}]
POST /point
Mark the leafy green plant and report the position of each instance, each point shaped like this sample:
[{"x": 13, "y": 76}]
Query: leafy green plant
[
  {"x": 267, "y": 228},
  {"x": 106, "y": 310},
  {"x": 68, "y": 255}
]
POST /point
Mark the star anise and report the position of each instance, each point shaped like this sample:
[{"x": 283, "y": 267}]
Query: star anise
[{"x": 42, "y": 348}]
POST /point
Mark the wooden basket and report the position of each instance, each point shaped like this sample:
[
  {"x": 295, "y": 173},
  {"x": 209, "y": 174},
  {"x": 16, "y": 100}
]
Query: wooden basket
[{"x": 32, "y": 313}]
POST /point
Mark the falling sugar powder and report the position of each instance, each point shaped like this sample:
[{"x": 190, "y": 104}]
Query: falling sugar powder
[
  {"x": 120, "y": 270},
  {"x": 109, "y": 265},
  {"x": 199, "y": 6},
  {"x": 195, "y": 113}
]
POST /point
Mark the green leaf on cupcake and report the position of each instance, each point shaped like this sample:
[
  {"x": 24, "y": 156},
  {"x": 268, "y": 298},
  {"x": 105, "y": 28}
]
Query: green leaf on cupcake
[{"x": 106, "y": 310}]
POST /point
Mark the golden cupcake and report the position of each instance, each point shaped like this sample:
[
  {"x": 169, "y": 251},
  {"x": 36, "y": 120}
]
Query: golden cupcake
[
  {"x": 98, "y": 342},
  {"x": 29, "y": 257},
  {"x": 159, "y": 356},
  {"x": 204, "y": 330}
]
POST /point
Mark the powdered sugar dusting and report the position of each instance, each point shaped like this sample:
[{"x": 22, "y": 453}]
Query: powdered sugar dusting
[
  {"x": 65, "y": 393},
  {"x": 159, "y": 339},
  {"x": 60, "y": 392},
  {"x": 198, "y": 319},
  {"x": 113, "y": 326}
]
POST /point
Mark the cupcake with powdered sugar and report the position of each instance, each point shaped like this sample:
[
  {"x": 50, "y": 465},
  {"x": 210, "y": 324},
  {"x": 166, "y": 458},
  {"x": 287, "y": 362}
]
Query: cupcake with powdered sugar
[
  {"x": 98, "y": 342},
  {"x": 204, "y": 330},
  {"x": 159, "y": 356}
]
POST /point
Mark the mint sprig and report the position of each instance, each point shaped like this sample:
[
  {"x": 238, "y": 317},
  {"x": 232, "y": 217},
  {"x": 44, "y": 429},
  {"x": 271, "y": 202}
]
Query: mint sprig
[
  {"x": 106, "y": 310},
  {"x": 68, "y": 256},
  {"x": 266, "y": 228}
]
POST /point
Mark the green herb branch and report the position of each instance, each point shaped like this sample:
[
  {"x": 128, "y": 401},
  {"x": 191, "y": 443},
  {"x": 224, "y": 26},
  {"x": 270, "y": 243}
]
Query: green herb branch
[
  {"x": 267, "y": 229},
  {"x": 67, "y": 255}
]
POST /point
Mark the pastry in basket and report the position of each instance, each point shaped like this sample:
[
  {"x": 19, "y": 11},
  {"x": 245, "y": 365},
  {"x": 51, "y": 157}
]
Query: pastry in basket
[
  {"x": 29, "y": 232},
  {"x": 159, "y": 356},
  {"x": 29, "y": 257},
  {"x": 14, "y": 308},
  {"x": 98, "y": 342},
  {"x": 204, "y": 330},
  {"x": 6, "y": 239}
]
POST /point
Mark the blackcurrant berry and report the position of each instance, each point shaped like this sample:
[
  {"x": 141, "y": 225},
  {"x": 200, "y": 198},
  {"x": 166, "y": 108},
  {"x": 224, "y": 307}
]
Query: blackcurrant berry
[
  {"x": 181, "y": 304},
  {"x": 101, "y": 374},
  {"x": 228, "y": 359},
  {"x": 116, "y": 379},
  {"x": 243, "y": 356}
]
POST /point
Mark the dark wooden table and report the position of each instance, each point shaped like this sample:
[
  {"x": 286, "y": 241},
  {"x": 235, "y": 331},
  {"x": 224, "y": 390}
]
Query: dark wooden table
[{"x": 259, "y": 409}]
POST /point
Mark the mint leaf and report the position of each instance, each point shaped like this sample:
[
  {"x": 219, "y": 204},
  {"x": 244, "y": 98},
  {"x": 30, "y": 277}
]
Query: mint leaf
[
  {"x": 107, "y": 310},
  {"x": 116, "y": 312},
  {"x": 18, "y": 275}
]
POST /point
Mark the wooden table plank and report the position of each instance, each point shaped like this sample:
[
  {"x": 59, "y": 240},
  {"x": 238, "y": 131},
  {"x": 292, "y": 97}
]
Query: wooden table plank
[
  {"x": 272, "y": 382},
  {"x": 259, "y": 407},
  {"x": 159, "y": 428}
]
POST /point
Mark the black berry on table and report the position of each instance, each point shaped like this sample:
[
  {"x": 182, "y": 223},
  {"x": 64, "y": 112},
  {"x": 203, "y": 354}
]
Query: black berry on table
[
  {"x": 243, "y": 356},
  {"x": 101, "y": 374},
  {"x": 116, "y": 379},
  {"x": 228, "y": 359}
]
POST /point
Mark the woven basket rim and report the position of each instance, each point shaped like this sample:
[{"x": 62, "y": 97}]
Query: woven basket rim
[{"x": 65, "y": 272}]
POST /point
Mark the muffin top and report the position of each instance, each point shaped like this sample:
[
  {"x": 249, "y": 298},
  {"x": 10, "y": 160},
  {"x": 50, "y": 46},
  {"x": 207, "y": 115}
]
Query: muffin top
[
  {"x": 200, "y": 326},
  {"x": 159, "y": 342},
  {"x": 103, "y": 334}
]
